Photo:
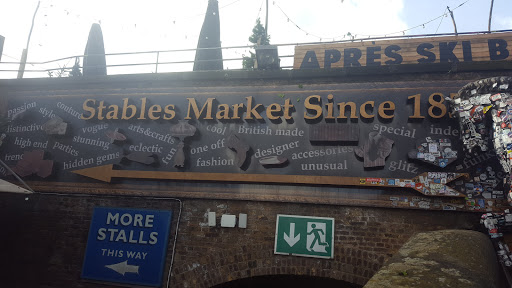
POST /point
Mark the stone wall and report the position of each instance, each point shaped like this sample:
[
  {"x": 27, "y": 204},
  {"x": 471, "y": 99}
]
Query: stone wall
[
  {"x": 44, "y": 239},
  {"x": 446, "y": 258}
]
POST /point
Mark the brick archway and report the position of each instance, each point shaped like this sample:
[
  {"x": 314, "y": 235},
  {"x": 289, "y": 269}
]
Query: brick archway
[
  {"x": 242, "y": 262},
  {"x": 364, "y": 239},
  {"x": 271, "y": 281}
]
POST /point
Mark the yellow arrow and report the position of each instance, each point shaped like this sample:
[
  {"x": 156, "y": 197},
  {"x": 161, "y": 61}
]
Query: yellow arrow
[{"x": 106, "y": 173}]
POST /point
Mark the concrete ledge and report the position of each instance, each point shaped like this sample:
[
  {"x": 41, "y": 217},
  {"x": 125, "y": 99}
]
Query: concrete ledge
[
  {"x": 446, "y": 258},
  {"x": 349, "y": 74}
]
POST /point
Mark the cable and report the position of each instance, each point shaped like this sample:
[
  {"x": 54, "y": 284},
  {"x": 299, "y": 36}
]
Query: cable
[
  {"x": 95, "y": 19},
  {"x": 17, "y": 177},
  {"x": 365, "y": 35},
  {"x": 403, "y": 31},
  {"x": 293, "y": 22},
  {"x": 17, "y": 59},
  {"x": 202, "y": 14},
  {"x": 259, "y": 11},
  {"x": 444, "y": 13},
  {"x": 229, "y": 4},
  {"x": 174, "y": 244}
]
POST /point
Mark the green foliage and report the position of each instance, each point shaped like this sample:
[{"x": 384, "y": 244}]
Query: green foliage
[
  {"x": 66, "y": 72},
  {"x": 257, "y": 38},
  {"x": 258, "y": 34},
  {"x": 75, "y": 71},
  {"x": 59, "y": 73},
  {"x": 248, "y": 62}
]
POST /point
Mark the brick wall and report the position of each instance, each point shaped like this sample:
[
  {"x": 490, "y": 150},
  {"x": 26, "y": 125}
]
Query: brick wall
[{"x": 44, "y": 239}]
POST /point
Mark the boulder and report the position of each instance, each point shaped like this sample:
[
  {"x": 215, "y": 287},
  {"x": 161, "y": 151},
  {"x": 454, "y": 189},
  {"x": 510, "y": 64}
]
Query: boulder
[{"x": 446, "y": 258}]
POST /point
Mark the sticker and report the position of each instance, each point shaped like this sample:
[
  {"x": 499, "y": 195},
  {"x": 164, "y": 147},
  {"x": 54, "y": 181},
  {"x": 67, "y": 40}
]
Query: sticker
[
  {"x": 374, "y": 180},
  {"x": 432, "y": 147},
  {"x": 424, "y": 205},
  {"x": 438, "y": 151},
  {"x": 449, "y": 208}
]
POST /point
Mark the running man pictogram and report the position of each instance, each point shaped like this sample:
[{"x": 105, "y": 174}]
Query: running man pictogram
[{"x": 315, "y": 236}]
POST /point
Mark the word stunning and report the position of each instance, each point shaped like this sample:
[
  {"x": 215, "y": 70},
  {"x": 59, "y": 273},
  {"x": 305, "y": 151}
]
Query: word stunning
[{"x": 315, "y": 107}]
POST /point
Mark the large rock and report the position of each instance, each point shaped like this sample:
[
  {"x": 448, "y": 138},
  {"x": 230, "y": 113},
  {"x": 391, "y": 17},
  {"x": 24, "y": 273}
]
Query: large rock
[{"x": 447, "y": 258}]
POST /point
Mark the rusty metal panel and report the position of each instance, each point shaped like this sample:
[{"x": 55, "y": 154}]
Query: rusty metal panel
[{"x": 333, "y": 133}]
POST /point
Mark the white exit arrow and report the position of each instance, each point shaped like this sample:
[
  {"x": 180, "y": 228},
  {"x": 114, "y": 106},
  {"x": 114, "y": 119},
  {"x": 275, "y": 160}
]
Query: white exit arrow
[
  {"x": 124, "y": 267},
  {"x": 292, "y": 239}
]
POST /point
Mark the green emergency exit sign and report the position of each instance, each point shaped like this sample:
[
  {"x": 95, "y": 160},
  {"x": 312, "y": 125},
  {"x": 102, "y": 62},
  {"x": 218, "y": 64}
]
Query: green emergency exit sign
[{"x": 304, "y": 236}]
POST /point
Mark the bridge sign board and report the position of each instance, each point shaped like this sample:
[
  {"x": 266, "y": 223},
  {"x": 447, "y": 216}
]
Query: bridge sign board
[
  {"x": 373, "y": 52},
  {"x": 306, "y": 236},
  {"x": 127, "y": 246}
]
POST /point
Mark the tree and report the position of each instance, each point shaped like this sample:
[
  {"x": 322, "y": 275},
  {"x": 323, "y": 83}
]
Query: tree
[
  {"x": 209, "y": 53},
  {"x": 95, "y": 63},
  {"x": 258, "y": 37}
]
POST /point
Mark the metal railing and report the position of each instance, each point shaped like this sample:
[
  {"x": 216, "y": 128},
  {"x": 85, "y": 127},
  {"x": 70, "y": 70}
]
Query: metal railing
[
  {"x": 178, "y": 60},
  {"x": 158, "y": 61}
]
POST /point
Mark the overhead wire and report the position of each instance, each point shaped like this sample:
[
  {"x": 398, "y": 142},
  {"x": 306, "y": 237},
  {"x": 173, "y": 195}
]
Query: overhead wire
[
  {"x": 203, "y": 14},
  {"x": 432, "y": 20},
  {"x": 259, "y": 11},
  {"x": 441, "y": 19},
  {"x": 365, "y": 35},
  {"x": 283, "y": 12},
  {"x": 293, "y": 22},
  {"x": 96, "y": 19},
  {"x": 49, "y": 9},
  {"x": 17, "y": 59}
]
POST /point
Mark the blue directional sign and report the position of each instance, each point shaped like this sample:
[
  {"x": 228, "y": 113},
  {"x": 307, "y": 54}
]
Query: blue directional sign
[{"x": 127, "y": 246}]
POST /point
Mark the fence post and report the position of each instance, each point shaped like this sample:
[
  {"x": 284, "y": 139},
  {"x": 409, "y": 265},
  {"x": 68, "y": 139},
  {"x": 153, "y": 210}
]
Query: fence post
[
  {"x": 23, "y": 62},
  {"x": 157, "y": 56},
  {"x": 2, "y": 40}
]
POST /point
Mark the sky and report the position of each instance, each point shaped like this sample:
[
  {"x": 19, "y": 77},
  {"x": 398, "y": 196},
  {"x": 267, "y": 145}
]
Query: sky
[{"x": 61, "y": 27}]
